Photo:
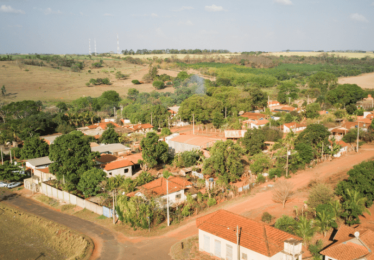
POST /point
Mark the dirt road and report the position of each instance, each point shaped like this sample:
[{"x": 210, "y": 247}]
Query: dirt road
[{"x": 111, "y": 245}]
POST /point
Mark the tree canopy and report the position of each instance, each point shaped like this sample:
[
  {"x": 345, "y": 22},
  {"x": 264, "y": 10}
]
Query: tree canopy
[
  {"x": 34, "y": 147},
  {"x": 89, "y": 182},
  {"x": 109, "y": 136},
  {"x": 253, "y": 141},
  {"x": 153, "y": 150}
]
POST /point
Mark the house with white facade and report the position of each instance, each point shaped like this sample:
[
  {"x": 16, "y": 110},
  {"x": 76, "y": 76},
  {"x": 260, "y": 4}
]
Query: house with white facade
[
  {"x": 255, "y": 123},
  {"x": 224, "y": 235},
  {"x": 173, "y": 188},
  {"x": 114, "y": 149},
  {"x": 343, "y": 147},
  {"x": 350, "y": 244},
  {"x": 273, "y": 103},
  {"x": 294, "y": 126},
  {"x": 120, "y": 167},
  {"x": 38, "y": 163}
]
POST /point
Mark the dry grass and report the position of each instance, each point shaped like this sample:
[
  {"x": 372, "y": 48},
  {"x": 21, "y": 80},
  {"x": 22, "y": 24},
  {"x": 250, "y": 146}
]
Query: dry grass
[
  {"x": 308, "y": 54},
  {"x": 26, "y": 236},
  {"x": 178, "y": 56},
  {"x": 48, "y": 84},
  {"x": 47, "y": 200}
]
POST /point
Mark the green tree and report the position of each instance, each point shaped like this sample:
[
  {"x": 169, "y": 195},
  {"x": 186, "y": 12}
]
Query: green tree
[
  {"x": 153, "y": 150},
  {"x": 187, "y": 158},
  {"x": 3, "y": 90},
  {"x": 34, "y": 147},
  {"x": 165, "y": 132},
  {"x": 360, "y": 179},
  {"x": 345, "y": 94},
  {"x": 287, "y": 224},
  {"x": 305, "y": 229},
  {"x": 10, "y": 172},
  {"x": 320, "y": 194},
  {"x": 183, "y": 75},
  {"x": 351, "y": 109},
  {"x": 324, "y": 221},
  {"x": 325, "y": 81},
  {"x": 217, "y": 119},
  {"x": 111, "y": 95},
  {"x": 313, "y": 134},
  {"x": 158, "y": 84},
  {"x": 261, "y": 162},
  {"x": 132, "y": 93},
  {"x": 305, "y": 151},
  {"x": 312, "y": 110},
  {"x": 225, "y": 161},
  {"x": 351, "y": 136},
  {"x": 109, "y": 136},
  {"x": 315, "y": 249},
  {"x": 202, "y": 107},
  {"x": 89, "y": 182},
  {"x": 354, "y": 206},
  {"x": 253, "y": 141},
  {"x": 71, "y": 156}
]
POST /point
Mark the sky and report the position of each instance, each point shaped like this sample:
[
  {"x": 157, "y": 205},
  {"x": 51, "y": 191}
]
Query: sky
[{"x": 65, "y": 27}]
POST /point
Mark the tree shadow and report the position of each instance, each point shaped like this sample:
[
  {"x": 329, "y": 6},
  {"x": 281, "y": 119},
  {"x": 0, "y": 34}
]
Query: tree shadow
[{"x": 41, "y": 255}]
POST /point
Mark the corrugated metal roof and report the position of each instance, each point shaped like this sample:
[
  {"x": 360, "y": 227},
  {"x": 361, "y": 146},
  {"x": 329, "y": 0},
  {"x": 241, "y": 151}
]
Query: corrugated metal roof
[
  {"x": 40, "y": 161},
  {"x": 109, "y": 148}
]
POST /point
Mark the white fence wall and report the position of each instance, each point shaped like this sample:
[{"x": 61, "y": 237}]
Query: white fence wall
[{"x": 71, "y": 199}]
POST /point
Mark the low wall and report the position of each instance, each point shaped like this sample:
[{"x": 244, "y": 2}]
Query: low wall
[{"x": 71, "y": 199}]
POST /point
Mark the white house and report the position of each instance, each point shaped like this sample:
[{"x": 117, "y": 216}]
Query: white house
[
  {"x": 220, "y": 230},
  {"x": 121, "y": 167},
  {"x": 174, "y": 189},
  {"x": 350, "y": 244},
  {"x": 295, "y": 127},
  {"x": 115, "y": 149},
  {"x": 343, "y": 147},
  {"x": 273, "y": 103},
  {"x": 38, "y": 163}
]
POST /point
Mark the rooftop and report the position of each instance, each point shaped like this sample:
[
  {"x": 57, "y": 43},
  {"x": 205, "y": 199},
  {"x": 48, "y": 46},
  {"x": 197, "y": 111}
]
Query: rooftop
[
  {"x": 106, "y": 158},
  {"x": 158, "y": 186},
  {"x": 197, "y": 140},
  {"x": 117, "y": 165},
  {"x": 40, "y": 161},
  {"x": 102, "y": 125},
  {"x": 49, "y": 139},
  {"x": 253, "y": 115},
  {"x": 256, "y": 236},
  {"x": 109, "y": 148}
]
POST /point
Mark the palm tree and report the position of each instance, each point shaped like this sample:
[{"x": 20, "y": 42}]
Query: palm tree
[
  {"x": 305, "y": 229},
  {"x": 337, "y": 208},
  {"x": 289, "y": 143},
  {"x": 324, "y": 221},
  {"x": 354, "y": 205}
]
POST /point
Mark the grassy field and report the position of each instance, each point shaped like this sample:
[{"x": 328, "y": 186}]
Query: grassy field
[
  {"x": 48, "y": 84},
  {"x": 25, "y": 236},
  {"x": 307, "y": 54},
  {"x": 179, "y": 56}
]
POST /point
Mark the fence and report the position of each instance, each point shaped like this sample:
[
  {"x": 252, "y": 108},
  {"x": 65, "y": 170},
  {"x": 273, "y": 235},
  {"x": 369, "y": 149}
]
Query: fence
[{"x": 72, "y": 199}]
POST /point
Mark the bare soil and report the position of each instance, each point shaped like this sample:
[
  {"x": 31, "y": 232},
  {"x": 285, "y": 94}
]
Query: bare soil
[{"x": 364, "y": 80}]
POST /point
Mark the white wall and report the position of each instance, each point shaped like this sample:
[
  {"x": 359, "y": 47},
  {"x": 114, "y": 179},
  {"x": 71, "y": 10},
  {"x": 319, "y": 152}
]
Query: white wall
[
  {"x": 120, "y": 171},
  {"x": 251, "y": 255},
  {"x": 173, "y": 197}
]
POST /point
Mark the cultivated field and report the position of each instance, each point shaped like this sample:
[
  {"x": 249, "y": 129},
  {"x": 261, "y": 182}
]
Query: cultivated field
[
  {"x": 48, "y": 84},
  {"x": 25, "y": 236},
  {"x": 365, "y": 81},
  {"x": 307, "y": 54}
]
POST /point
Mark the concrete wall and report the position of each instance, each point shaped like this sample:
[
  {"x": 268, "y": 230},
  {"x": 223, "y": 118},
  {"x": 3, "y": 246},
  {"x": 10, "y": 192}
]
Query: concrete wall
[
  {"x": 176, "y": 147},
  {"x": 70, "y": 198},
  {"x": 120, "y": 171},
  {"x": 44, "y": 176}
]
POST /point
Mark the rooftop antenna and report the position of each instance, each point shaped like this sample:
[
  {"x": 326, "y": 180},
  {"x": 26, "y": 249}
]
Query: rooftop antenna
[
  {"x": 89, "y": 46},
  {"x": 117, "y": 44},
  {"x": 95, "y": 47}
]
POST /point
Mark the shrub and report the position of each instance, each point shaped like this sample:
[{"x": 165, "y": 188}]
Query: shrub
[
  {"x": 135, "y": 81},
  {"x": 106, "y": 81},
  {"x": 165, "y": 132},
  {"x": 211, "y": 202},
  {"x": 260, "y": 178},
  {"x": 97, "y": 65},
  {"x": 158, "y": 84},
  {"x": 266, "y": 217},
  {"x": 275, "y": 172},
  {"x": 89, "y": 71},
  {"x": 320, "y": 194}
]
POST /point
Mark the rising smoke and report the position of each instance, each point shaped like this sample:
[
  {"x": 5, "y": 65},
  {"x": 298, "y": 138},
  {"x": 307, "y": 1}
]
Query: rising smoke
[{"x": 199, "y": 82}]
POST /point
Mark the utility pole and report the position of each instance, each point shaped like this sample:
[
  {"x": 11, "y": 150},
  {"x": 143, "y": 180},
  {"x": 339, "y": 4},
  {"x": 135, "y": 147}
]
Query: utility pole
[
  {"x": 308, "y": 100},
  {"x": 322, "y": 152},
  {"x": 11, "y": 161},
  {"x": 358, "y": 133},
  {"x": 193, "y": 123},
  {"x": 289, "y": 100},
  {"x": 287, "y": 164},
  {"x": 225, "y": 112},
  {"x": 2, "y": 159},
  {"x": 151, "y": 119},
  {"x": 113, "y": 208},
  {"x": 237, "y": 241},
  {"x": 167, "y": 200}
]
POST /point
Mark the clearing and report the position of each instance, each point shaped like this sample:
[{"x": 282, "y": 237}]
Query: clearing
[
  {"x": 364, "y": 80},
  {"x": 48, "y": 84},
  {"x": 25, "y": 236},
  {"x": 350, "y": 55}
]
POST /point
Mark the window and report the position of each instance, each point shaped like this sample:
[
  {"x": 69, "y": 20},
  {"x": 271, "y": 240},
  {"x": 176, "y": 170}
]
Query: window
[
  {"x": 126, "y": 170},
  {"x": 217, "y": 248},
  {"x": 110, "y": 173},
  {"x": 178, "y": 196},
  {"x": 244, "y": 256},
  {"x": 229, "y": 252},
  {"x": 206, "y": 243}
]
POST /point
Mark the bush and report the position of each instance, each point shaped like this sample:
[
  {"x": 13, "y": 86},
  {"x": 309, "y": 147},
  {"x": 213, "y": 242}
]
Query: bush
[
  {"x": 165, "y": 132},
  {"x": 16, "y": 151},
  {"x": 158, "y": 84},
  {"x": 275, "y": 172},
  {"x": 320, "y": 194},
  {"x": 135, "y": 81},
  {"x": 266, "y": 217},
  {"x": 260, "y": 178},
  {"x": 106, "y": 81},
  {"x": 211, "y": 202}
]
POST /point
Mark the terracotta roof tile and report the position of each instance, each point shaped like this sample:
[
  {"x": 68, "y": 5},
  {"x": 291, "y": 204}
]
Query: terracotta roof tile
[
  {"x": 253, "y": 115},
  {"x": 255, "y": 235},
  {"x": 197, "y": 140},
  {"x": 117, "y": 165},
  {"x": 345, "y": 251}
]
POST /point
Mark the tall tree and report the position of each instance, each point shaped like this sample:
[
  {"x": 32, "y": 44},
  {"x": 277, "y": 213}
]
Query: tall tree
[
  {"x": 153, "y": 150},
  {"x": 89, "y": 182},
  {"x": 71, "y": 155},
  {"x": 253, "y": 141},
  {"x": 109, "y": 136},
  {"x": 34, "y": 147}
]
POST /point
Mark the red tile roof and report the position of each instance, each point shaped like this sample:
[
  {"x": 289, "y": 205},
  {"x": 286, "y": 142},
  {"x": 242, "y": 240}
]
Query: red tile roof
[
  {"x": 253, "y": 115},
  {"x": 348, "y": 247},
  {"x": 172, "y": 112},
  {"x": 134, "y": 158},
  {"x": 197, "y": 140},
  {"x": 139, "y": 126},
  {"x": 293, "y": 125},
  {"x": 117, "y": 165},
  {"x": 158, "y": 186},
  {"x": 255, "y": 235},
  {"x": 45, "y": 170},
  {"x": 103, "y": 125},
  {"x": 260, "y": 122}
]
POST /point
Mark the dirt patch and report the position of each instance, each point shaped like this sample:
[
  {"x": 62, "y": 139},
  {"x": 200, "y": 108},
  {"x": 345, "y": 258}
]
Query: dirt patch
[
  {"x": 363, "y": 80},
  {"x": 26, "y": 236}
]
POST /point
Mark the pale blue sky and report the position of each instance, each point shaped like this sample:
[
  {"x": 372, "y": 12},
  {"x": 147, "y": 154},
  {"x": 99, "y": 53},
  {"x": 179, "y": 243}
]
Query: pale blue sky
[{"x": 42, "y": 26}]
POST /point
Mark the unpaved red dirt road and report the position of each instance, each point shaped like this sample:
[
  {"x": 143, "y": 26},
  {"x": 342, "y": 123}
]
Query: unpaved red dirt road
[{"x": 112, "y": 245}]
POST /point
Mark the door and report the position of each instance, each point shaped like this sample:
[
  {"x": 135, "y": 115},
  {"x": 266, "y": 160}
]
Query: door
[
  {"x": 217, "y": 248},
  {"x": 228, "y": 252},
  {"x": 206, "y": 243}
]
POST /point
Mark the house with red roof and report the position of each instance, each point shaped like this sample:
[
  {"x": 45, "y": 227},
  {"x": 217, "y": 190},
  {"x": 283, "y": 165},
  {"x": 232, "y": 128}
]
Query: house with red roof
[
  {"x": 140, "y": 128},
  {"x": 224, "y": 235},
  {"x": 120, "y": 167},
  {"x": 182, "y": 143},
  {"x": 273, "y": 103},
  {"x": 294, "y": 126},
  {"x": 351, "y": 243},
  {"x": 343, "y": 147},
  {"x": 172, "y": 188}
]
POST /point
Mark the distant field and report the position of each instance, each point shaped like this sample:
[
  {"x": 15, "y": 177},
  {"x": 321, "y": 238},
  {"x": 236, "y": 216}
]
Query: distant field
[
  {"x": 307, "y": 54},
  {"x": 365, "y": 81},
  {"x": 179, "y": 56},
  {"x": 48, "y": 84}
]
